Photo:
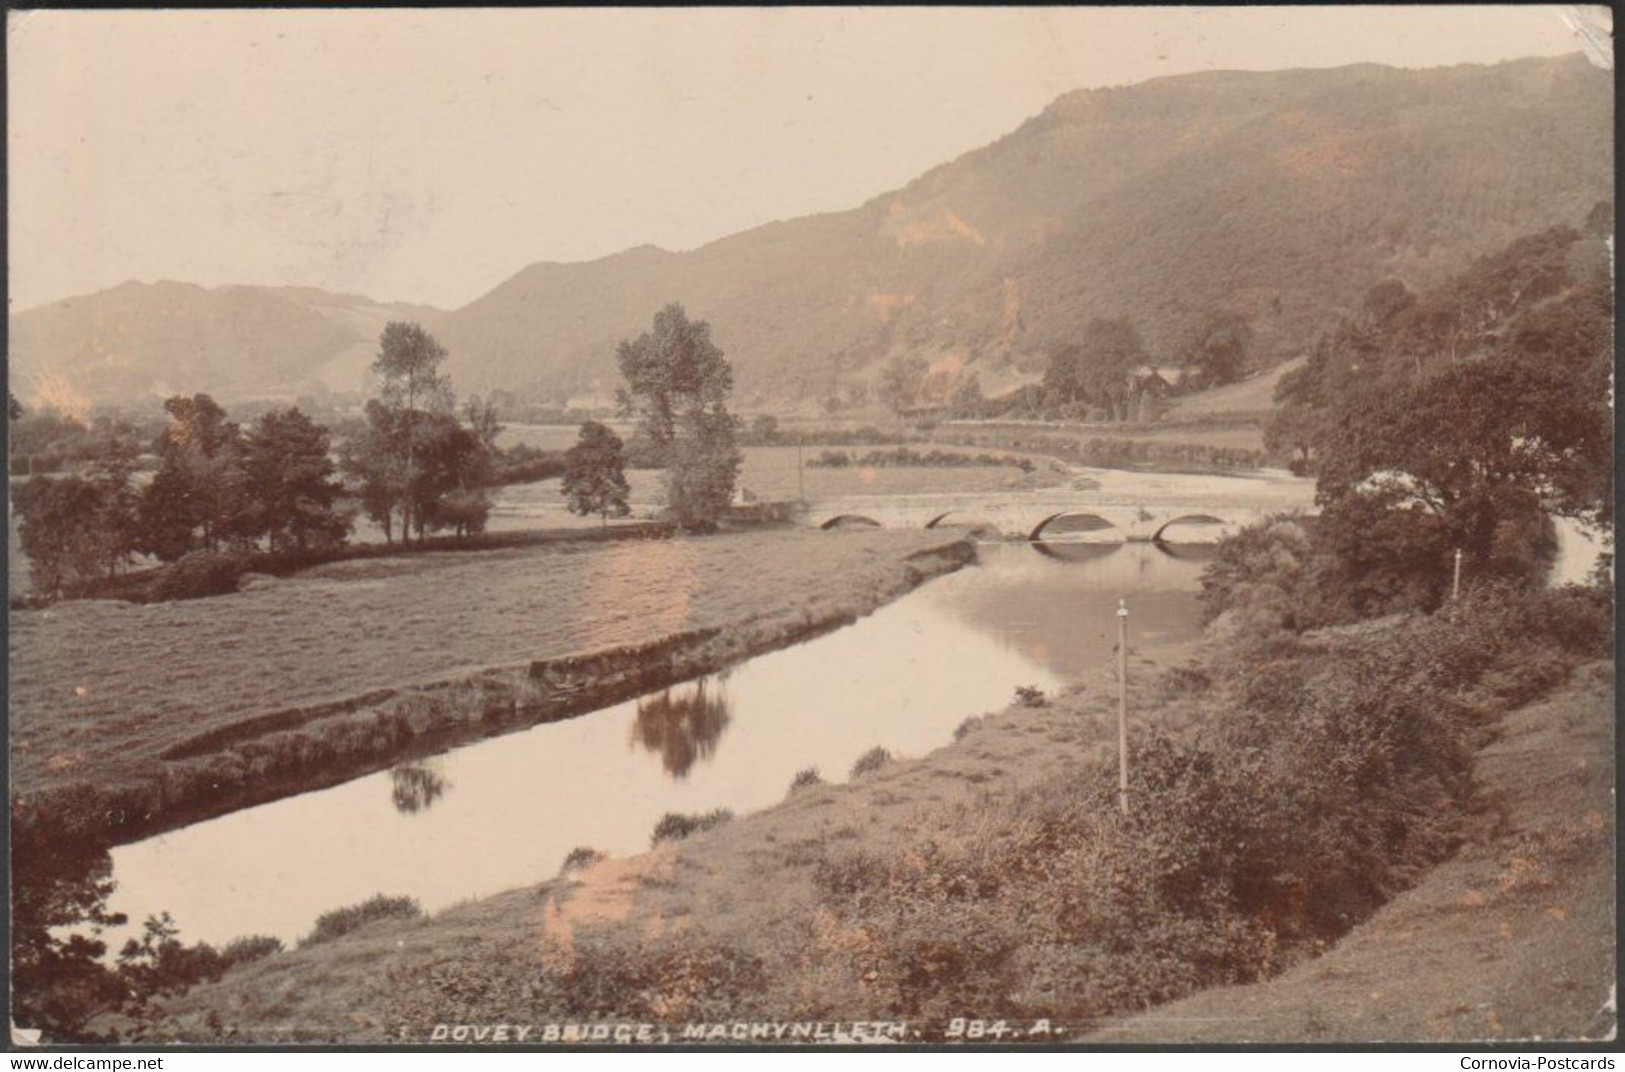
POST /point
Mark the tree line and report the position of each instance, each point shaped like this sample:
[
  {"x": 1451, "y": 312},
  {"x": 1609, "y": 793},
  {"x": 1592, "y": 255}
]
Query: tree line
[
  {"x": 275, "y": 486},
  {"x": 414, "y": 466},
  {"x": 1104, "y": 373}
]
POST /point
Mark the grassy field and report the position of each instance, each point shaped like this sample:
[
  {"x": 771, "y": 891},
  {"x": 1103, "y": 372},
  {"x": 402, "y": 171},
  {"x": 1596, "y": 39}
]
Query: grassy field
[
  {"x": 769, "y": 473},
  {"x": 1254, "y": 395},
  {"x": 101, "y": 693}
]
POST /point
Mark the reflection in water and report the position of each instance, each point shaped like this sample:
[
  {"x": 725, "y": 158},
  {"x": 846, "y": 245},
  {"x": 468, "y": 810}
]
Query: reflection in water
[
  {"x": 682, "y": 724},
  {"x": 1057, "y": 607},
  {"x": 1074, "y": 550},
  {"x": 415, "y": 786},
  {"x": 901, "y": 679},
  {"x": 1193, "y": 552}
]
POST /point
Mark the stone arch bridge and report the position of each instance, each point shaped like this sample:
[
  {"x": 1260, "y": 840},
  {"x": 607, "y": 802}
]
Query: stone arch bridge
[{"x": 1033, "y": 517}]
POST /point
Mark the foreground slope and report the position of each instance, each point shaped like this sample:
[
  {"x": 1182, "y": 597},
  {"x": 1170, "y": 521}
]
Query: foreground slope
[{"x": 1511, "y": 939}]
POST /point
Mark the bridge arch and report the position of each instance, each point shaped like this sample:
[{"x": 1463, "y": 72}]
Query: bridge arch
[
  {"x": 960, "y": 519},
  {"x": 840, "y": 521},
  {"x": 1184, "y": 519},
  {"x": 1085, "y": 522}
]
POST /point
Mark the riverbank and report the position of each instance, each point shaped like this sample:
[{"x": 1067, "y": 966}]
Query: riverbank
[
  {"x": 990, "y": 874},
  {"x": 750, "y": 882},
  {"x": 131, "y": 719}
]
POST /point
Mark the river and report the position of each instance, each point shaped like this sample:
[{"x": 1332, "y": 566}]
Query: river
[{"x": 505, "y": 812}]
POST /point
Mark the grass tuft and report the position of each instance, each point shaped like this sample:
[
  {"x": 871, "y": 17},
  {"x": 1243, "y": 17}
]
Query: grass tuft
[
  {"x": 581, "y": 857},
  {"x": 806, "y": 777},
  {"x": 341, "y": 921},
  {"x": 675, "y": 827},
  {"x": 871, "y": 760}
]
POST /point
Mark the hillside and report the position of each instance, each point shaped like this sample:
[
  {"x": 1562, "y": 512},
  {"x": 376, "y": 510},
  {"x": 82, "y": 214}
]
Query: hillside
[
  {"x": 136, "y": 340},
  {"x": 1284, "y": 195},
  {"x": 1281, "y": 195}
]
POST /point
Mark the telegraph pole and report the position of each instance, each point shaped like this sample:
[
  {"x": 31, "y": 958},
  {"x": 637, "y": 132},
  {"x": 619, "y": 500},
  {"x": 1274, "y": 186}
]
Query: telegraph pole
[
  {"x": 1455, "y": 582},
  {"x": 1122, "y": 706},
  {"x": 801, "y": 471}
]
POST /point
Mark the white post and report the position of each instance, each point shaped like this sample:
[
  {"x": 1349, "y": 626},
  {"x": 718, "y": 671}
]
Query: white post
[
  {"x": 1122, "y": 706},
  {"x": 1455, "y": 582}
]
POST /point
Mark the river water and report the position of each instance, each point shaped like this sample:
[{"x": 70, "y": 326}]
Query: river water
[{"x": 504, "y": 812}]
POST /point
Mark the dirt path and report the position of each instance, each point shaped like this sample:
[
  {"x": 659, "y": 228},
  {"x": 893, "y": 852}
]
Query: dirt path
[{"x": 1513, "y": 938}]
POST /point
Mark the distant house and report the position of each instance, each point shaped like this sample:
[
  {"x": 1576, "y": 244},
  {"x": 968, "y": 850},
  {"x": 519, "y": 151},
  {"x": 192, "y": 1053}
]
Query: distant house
[{"x": 1158, "y": 380}]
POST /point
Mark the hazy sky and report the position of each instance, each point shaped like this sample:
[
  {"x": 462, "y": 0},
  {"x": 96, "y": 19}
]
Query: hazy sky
[{"x": 428, "y": 155}]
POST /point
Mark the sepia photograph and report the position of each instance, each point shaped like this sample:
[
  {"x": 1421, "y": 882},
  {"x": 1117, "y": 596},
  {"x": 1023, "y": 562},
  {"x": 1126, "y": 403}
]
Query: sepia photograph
[{"x": 779, "y": 528}]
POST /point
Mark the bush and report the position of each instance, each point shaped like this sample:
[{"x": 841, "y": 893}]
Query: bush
[
  {"x": 248, "y": 948},
  {"x": 341, "y": 921},
  {"x": 1031, "y": 696},
  {"x": 970, "y": 725},
  {"x": 202, "y": 573},
  {"x": 675, "y": 827},
  {"x": 1262, "y": 575},
  {"x": 808, "y": 776},
  {"x": 1332, "y": 771},
  {"x": 871, "y": 760},
  {"x": 580, "y": 858}
]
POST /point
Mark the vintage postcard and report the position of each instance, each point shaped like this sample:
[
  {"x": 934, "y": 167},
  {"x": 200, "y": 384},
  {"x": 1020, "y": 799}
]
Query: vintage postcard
[{"x": 782, "y": 527}]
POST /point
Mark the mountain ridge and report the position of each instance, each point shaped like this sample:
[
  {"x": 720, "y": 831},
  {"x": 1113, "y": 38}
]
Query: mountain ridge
[{"x": 1282, "y": 195}]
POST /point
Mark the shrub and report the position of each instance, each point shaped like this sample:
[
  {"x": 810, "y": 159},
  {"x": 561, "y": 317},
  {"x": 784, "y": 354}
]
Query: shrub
[
  {"x": 1030, "y": 696},
  {"x": 971, "y": 724},
  {"x": 202, "y": 573},
  {"x": 675, "y": 827},
  {"x": 871, "y": 760},
  {"x": 808, "y": 776},
  {"x": 341, "y": 921},
  {"x": 1262, "y": 577},
  {"x": 1332, "y": 772},
  {"x": 248, "y": 948},
  {"x": 580, "y": 858}
]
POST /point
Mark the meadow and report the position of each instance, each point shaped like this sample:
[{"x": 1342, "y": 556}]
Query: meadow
[
  {"x": 111, "y": 697},
  {"x": 768, "y": 473}
]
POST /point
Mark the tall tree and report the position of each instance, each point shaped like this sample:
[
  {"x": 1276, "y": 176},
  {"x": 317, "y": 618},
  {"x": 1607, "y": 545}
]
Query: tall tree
[
  {"x": 1217, "y": 350},
  {"x": 595, "y": 474},
  {"x": 1109, "y": 350},
  {"x": 481, "y": 418},
  {"x": 447, "y": 490},
  {"x": 408, "y": 364},
  {"x": 196, "y": 497},
  {"x": 1483, "y": 446},
  {"x": 677, "y": 385},
  {"x": 290, "y": 485},
  {"x": 60, "y": 530},
  {"x": 373, "y": 458},
  {"x": 1097, "y": 368},
  {"x": 1480, "y": 408}
]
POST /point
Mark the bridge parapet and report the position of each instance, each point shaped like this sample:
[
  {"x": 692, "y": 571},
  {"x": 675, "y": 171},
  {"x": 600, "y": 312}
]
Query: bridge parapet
[{"x": 1027, "y": 518}]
